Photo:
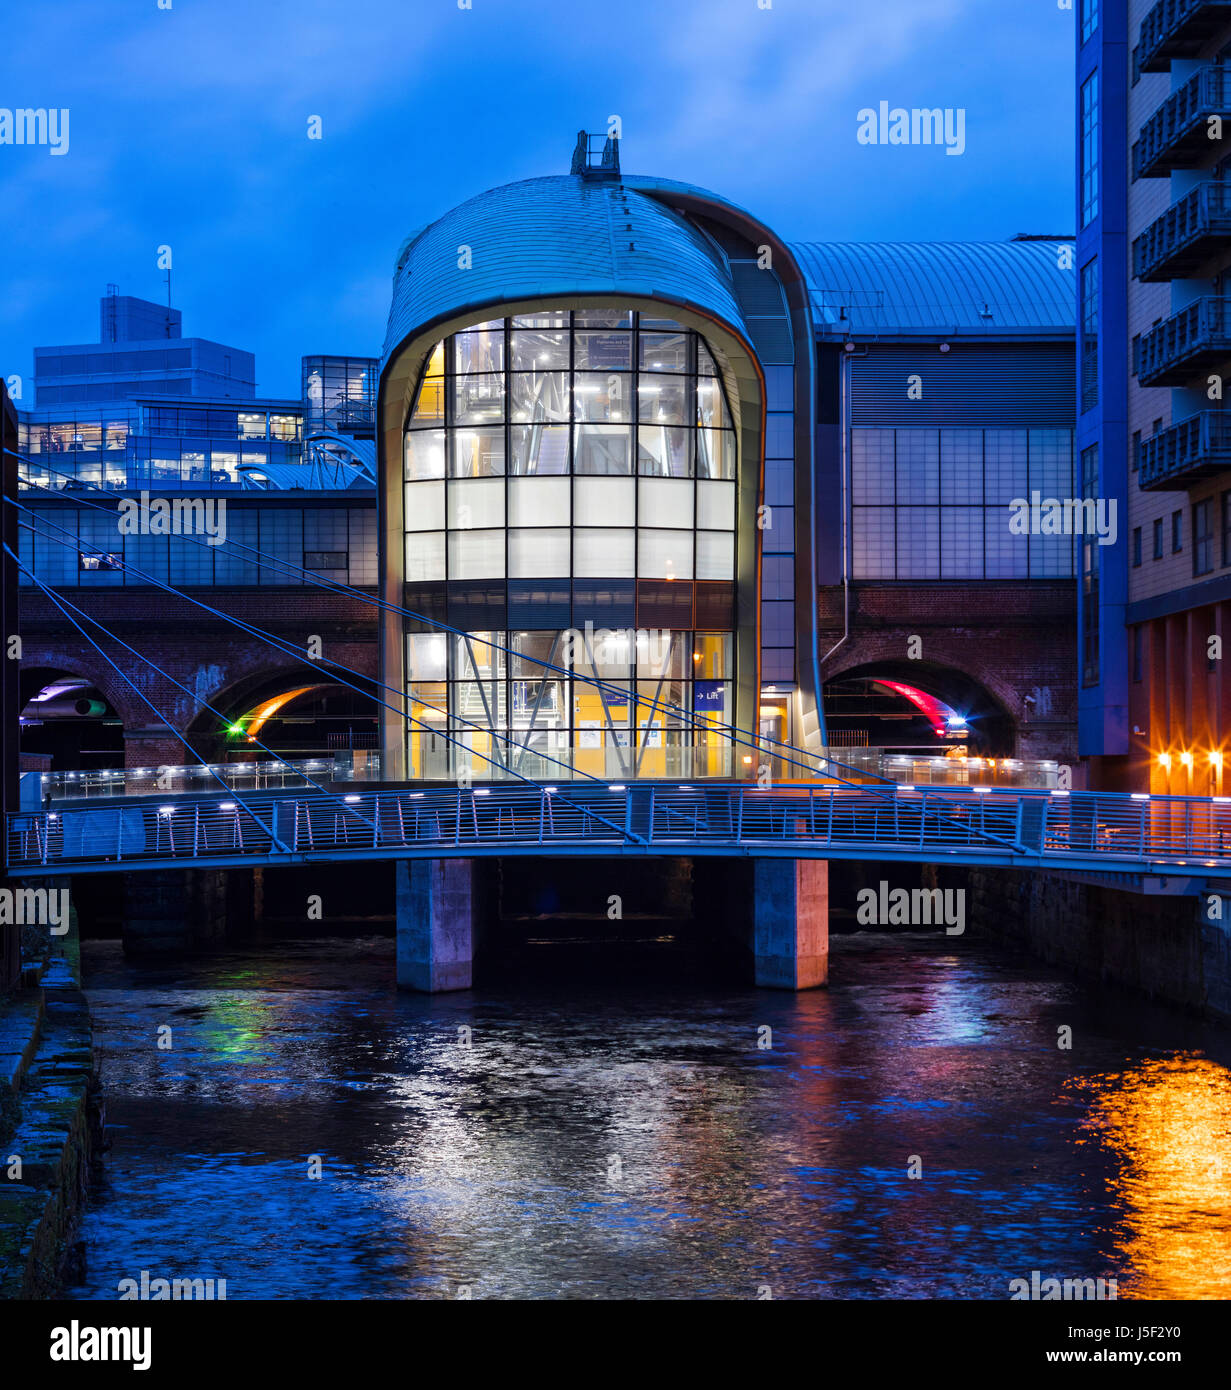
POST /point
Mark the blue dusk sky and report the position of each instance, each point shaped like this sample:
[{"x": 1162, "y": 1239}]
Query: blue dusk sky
[{"x": 188, "y": 127}]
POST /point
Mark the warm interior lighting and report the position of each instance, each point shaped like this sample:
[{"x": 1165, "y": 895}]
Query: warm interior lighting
[
  {"x": 1164, "y": 760},
  {"x": 1216, "y": 758},
  {"x": 1186, "y": 759}
]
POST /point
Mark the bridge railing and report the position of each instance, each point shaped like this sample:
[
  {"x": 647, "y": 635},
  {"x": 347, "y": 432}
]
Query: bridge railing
[{"x": 1026, "y": 827}]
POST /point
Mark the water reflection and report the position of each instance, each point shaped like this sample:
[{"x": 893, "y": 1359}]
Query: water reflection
[
  {"x": 634, "y": 1140},
  {"x": 1168, "y": 1123}
]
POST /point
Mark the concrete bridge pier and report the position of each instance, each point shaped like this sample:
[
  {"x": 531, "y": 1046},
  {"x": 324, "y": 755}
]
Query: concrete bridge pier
[
  {"x": 790, "y": 922},
  {"x": 437, "y": 907},
  {"x": 775, "y": 911}
]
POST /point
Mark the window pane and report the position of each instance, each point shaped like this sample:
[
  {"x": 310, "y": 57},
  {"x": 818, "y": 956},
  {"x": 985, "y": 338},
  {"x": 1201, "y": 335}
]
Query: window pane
[
  {"x": 538, "y": 554},
  {"x": 716, "y": 555},
  {"x": 605, "y": 554},
  {"x": 425, "y": 557},
  {"x": 602, "y": 396},
  {"x": 603, "y": 318},
  {"x": 476, "y": 554},
  {"x": 604, "y": 502},
  {"x": 478, "y": 400},
  {"x": 549, "y": 318},
  {"x": 664, "y": 451},
  {"x": 715, "y": 454},
  {"x": 430, "y": 407},
  {"x": 711, "y": 407},
  {"x": 665, "y": 502},
  {"x": 475, "y": 351},
  {"x": 426, "y": 653},
  {"x": 664, "y": 554},
  {"x": 476, "y": 503},
  {"x": 664, "y": 402},
  {"x": 425, "y": 507},
  {"x": 539, "y": 449},
  {"x": 539, "y": 351},
  {"x": 604, "y": 351},
  {"x": 664, "y": 352},
  {"x": 539, "y": 502},
  {"x": 539, "y": 396},
  {"x": 477, "y": 453},
  {"x": 716, "y": 506},
  {"x": 602, "y": 449},
  {"x": 425, "y": 454}
]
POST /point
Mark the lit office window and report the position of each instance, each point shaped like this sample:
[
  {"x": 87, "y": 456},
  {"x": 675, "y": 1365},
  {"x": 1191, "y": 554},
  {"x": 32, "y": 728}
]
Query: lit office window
[{"x": 1089, "y": 149}]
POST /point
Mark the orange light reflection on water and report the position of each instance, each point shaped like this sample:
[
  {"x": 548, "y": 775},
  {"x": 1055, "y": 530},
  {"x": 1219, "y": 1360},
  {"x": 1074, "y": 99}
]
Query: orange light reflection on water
[{"x": 1168, "y": 1122}]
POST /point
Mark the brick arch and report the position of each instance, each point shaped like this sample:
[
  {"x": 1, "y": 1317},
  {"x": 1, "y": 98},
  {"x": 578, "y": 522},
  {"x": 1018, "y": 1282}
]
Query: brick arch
[
  {"x": 42, "y": 661},
  {"x": 969, "y": 686}
]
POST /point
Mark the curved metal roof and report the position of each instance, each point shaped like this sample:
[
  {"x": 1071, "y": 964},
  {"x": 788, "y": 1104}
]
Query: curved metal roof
[
  {"x": 564, "y": 235},
  {"x": 992, "y": 288}
]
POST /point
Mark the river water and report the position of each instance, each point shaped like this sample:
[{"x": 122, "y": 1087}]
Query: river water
[{"x": 578, "y": 1140}]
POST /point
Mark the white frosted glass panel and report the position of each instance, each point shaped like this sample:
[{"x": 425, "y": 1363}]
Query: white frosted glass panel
[
  {"x": 425, "y": 507},
  {"x": 604, "y": 502},
  {"x": 666, "y": 502},
  {"x": 426, "y": 656},
  {"x": 538, "y": 502},
  {"x": 538, "y": 553},
  {"x": 715, "y": 555},
  {"x": 425, "y": 557},
  {"x": 475, "y": 503},
  {"x": 605, "y": 554},
  {"x": 425, "y": 454},
  {"x": 664, "y": 554},
  {"x": 716, "y": 506},
  {"x": 476, "y": 554}
]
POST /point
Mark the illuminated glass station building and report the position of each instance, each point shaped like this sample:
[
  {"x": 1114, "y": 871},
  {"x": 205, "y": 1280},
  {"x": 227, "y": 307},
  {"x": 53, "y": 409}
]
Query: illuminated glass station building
[{"x": 610, "y": 440}]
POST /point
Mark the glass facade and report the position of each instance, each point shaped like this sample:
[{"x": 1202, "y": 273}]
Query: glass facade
[
  {"x": 570, "y": 474},
  {"x": 935, "y": 503},
  {"x": 1090, "y": 610},
  {"x": 340, "y": 394},
  {"x": 1089, "y": 19},
  {"x": 483, "y": 703}
]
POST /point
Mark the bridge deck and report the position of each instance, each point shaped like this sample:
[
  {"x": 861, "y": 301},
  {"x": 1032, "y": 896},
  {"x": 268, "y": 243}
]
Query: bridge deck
[{"x": 1078, "y": 832}]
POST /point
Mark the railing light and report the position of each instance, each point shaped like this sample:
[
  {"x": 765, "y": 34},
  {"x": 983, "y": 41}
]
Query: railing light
[
  {"x": 906, "y": 787},
  {"x": 1057, "y": 792},
  {"x": 166, "y": 810},
  {"x": 549, "y": 791},
  {"x": 1141, "y": 796},
  {"x": 226, "y": 805},
  {"x": 352, "y": 798},
  {"x": 478, "y": 791},
  {"x": 617, "y": 788},
  {"x": 980, "y": 789}
]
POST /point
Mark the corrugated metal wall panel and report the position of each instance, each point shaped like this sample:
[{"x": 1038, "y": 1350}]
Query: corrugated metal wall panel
[{"x": 1002, "y": 386}]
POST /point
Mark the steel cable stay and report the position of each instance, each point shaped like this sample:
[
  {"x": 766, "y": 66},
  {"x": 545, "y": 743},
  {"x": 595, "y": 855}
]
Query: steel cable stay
[
  {"x": 74, "y": 543},
  {"x": 742, "y": 737},
  {"x": 287, "y": 648},
  {"x": 269, "y": 830}
]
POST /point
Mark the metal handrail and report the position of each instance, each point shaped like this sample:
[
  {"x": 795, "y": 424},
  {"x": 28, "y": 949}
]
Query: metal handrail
[{"x": 1117, "y": 830}]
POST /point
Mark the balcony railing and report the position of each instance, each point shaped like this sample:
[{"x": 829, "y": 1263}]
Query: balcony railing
[
  {"x": 1174, "y": 352},
  {"x": 1196, "y": 448},
  {"x": 1177, "y": 135},
  {"x": 1178, "y": 29},
  {"x": 1187, "y": 234}
]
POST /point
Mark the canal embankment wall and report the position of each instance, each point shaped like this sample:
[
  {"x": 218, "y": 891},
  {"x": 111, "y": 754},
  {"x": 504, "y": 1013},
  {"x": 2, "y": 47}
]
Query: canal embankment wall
[{"x": 1175, "y": 948}]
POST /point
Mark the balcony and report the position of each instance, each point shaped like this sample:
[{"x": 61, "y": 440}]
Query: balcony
[
  {"x": 1185, "y": 236},
  {"x": 1178, "y": 29},
  {"x": 1174, "y": 352},
  {"x": 1177, "y": 135},
  {"x": 1196, "y": 448}
]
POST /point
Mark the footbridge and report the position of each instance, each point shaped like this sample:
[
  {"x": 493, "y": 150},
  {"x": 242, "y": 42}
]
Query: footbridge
[{"x": 1184, "y": 839}]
